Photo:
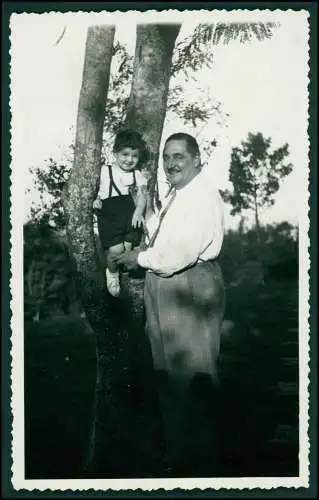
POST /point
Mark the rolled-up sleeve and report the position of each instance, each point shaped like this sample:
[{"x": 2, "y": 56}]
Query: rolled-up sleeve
[
  {"x": 140, "y": 179},
  {"x": 103, "y": 191}
]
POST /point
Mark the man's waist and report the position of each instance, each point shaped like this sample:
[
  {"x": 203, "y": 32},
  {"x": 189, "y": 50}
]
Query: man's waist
[{"x": 198, "y": 263}]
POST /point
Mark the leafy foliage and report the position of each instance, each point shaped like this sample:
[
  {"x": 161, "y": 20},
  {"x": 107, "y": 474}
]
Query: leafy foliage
[
  {"x": 255, "y": 172},
  {"x": 278, "y": 250},
  {"x": 196, "y": 111},
  {"x": 50, "y": 181},
  {"x": 196, "y": 51},
  {"x": 50, "y": 272},
  {"x": 190, "y": 54}
]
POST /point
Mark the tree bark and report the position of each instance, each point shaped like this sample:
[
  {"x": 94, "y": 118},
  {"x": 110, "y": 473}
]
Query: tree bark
[
  {"x": 83, "y": 182},
  {"x": 257, "y": 221},
  {"x": 116, "y": 429},
  {"x": 259, "y": 242},
  {"x": 149, "y": 91},
  {"x": 146, "y": 113},
  {"x": 256, "y": 214},
  {"x": 111, "y": 406}
]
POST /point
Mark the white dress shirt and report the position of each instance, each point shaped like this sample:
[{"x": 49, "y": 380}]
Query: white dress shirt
[
  {"x": 192, "y": 229},
  {"x": 123, "y": 180}
]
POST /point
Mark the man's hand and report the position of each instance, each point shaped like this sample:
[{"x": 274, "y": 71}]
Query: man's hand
[
  {"x": 137, "y": 219},
  {"x": 128, "y": 259},
  {"x": 97, "y": 204}
]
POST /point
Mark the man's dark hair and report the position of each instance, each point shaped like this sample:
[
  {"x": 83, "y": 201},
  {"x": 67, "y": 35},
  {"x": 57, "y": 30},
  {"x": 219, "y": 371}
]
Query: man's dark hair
[
  {"x": 192, "y": 145},
  {"x": 128, "y": 138}
]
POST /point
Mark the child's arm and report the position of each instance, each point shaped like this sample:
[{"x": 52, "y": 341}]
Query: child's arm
[
  {"x": 97, "y": 203},
  {"x": 140, "y": 204}
]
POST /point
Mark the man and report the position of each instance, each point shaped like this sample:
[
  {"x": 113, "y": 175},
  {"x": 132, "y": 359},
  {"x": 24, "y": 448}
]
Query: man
[{"x": 184, "y": 304}]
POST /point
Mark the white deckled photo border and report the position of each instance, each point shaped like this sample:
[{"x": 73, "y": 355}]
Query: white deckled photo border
[{"x": 19, "y": 482}]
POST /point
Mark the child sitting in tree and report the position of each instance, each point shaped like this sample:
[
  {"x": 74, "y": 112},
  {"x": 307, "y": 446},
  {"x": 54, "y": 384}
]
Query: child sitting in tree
[{"x": 120, "y": 217}]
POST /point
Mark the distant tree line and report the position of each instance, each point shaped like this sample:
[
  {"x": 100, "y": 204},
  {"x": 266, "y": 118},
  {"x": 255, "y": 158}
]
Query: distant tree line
[
  {"x": 276, "y": 252},
  {"x": 50, "y": 271}
]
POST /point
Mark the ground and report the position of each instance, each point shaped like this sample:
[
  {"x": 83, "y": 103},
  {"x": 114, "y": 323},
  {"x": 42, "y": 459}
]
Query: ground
[{"x": 259, "y": 387}]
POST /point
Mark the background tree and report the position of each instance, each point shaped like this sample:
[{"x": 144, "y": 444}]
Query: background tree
[
  {"x": 255, "y": 172},
  {"x": 49, "y": 274},
  {"x": 145, "y": 111},
  {"x": 278, "y": 252},
  {"x": 49, "y": 180},
  {"x": 190, "y": 54}
]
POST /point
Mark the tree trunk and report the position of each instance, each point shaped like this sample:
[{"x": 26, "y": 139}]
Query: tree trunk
[
  {"x": 122, "y": 414},
  {"x": 149, "y": 91},
  {"x": 77, "y": 200},
  {"x": 259, "y": 242},
  {"x": 256, "y": 216},
  {"x": 257, "y": 222},
  {"x": 146, "y": 113},
  {"x": 83, "y": 182}
]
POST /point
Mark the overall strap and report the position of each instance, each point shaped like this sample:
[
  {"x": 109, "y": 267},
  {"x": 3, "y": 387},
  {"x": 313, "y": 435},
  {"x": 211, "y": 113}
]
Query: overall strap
[
  {"x": 134, "y": 178},
  {"x": 112, "y": 183}
]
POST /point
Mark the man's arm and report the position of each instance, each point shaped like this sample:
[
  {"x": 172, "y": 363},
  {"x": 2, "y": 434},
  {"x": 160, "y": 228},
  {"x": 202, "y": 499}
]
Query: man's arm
[{"x": 184, "y": 242}]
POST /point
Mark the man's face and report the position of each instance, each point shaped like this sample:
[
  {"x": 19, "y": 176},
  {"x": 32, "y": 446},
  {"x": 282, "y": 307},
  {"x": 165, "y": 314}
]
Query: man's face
[{"x": 180, "y": 166}]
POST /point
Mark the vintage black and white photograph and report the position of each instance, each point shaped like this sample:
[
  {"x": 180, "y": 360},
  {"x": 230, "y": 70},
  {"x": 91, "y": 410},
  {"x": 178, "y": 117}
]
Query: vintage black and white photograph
[{"x": 159, "y": 249}]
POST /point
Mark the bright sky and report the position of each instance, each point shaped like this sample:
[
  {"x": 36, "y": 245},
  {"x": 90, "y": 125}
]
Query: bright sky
[{"x": 263, "y": 85}]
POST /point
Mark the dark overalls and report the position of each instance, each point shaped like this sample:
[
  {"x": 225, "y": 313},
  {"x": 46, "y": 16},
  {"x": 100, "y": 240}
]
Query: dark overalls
[{"x": 115, "y": 217}]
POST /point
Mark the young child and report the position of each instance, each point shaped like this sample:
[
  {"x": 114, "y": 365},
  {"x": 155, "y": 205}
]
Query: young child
[{"x": 120, "y": 217}]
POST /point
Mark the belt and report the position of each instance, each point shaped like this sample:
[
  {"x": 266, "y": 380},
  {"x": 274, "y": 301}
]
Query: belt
[{"x": 199, "y": 261}]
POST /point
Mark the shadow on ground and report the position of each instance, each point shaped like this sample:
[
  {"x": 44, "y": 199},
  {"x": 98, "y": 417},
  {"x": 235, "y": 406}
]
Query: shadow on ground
[{"x": 258, "y": 387}]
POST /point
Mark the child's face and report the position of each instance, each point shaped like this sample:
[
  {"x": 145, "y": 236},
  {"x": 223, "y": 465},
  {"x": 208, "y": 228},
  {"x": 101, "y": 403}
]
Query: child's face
[{"x": 127, "y": 159}]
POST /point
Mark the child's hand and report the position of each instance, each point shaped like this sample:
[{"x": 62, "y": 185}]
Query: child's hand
[
  {"x": 137, "y": 220},
  {"x": 128, "y": 259},
  {"x": 97, "y": 204}
]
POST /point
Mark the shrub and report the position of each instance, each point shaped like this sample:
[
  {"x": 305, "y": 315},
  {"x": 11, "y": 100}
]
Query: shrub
[
  {"x": 49, "y": 273},
  {"x": 277, "y": 251}
]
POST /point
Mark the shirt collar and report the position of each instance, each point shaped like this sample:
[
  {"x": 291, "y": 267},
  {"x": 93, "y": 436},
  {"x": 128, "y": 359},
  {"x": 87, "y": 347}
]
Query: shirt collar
[
  {"x": 190, "y": 186},
  {"x": 120, "y": 171}
]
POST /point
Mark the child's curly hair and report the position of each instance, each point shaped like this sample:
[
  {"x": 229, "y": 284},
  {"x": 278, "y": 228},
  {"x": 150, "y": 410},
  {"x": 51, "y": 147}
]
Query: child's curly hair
[{"x": 128, "y": 138}]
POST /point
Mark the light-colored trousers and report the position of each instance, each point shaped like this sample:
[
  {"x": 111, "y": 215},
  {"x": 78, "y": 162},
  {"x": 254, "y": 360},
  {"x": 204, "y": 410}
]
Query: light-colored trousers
[{"x": 184, "y": 314}]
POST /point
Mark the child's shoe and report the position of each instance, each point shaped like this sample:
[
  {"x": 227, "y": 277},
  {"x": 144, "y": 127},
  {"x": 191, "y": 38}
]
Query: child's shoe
[{"x": 113, "y": 282}]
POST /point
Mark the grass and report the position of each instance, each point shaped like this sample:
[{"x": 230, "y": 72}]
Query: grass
[
  {"x": 259, "y": 369},
  {"x": 259, "y": 389},
  {"x": 60, "y": 364}
]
